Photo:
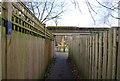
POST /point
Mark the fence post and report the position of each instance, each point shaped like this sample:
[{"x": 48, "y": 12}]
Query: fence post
[{"x": 8, "y": 24}]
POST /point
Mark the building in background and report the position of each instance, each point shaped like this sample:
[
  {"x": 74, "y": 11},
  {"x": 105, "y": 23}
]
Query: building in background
[{"x": 62, "y": 43}]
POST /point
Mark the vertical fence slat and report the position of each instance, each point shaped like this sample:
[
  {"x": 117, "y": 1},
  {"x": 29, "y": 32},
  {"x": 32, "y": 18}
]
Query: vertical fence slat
[
  {"x": 100, "y": 57},
  {"x": 118, "y": 56},
  {"x": 93, "y": 57},
  {"x": 114, "y": 53},
  {"x": 105, "y": 48},
  {"x": 110, "y": 54},
  {"x": 87, "y": 54},
  {"x": 90, "y": 57},
  {"x": 96, "y": 56}
]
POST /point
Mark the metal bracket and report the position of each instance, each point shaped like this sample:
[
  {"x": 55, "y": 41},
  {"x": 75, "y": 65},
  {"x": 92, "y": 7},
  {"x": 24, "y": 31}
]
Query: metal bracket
[{"x": 8, "y": 25}]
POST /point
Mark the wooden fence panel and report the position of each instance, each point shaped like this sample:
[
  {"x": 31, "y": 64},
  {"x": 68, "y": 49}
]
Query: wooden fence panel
[
  {"x": 26, "y": 57},
  {"x": 100, "y": 54},
  {"x": 23, "y": 49}
]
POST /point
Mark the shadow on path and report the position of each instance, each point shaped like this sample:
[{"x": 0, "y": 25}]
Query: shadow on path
[{"x": 60, "y": 69}]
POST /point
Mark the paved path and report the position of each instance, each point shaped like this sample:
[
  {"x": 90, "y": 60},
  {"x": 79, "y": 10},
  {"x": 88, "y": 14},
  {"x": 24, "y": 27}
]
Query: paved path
[{"x": 60, "y": 69}]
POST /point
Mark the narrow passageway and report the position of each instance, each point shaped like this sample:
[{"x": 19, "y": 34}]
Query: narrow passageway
[{"x": 60, "y": 69}]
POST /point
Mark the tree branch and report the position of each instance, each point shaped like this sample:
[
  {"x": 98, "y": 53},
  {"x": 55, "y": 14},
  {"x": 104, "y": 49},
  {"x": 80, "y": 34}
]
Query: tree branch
[
  {"x": 105, "y": 6},
  {"x": 56, "y": 16},
  {"x": 45, "y": 4},
  {"x": 91, "y": 7},
  {"x": 32, "y": 7},
  {"x": 76, "y": 5},
  {"x": 90, "y": 13},
  {"x": 38, "y": 12},
  {"x": 49, "y": 11},
  {"x": 115, "y": 17}
]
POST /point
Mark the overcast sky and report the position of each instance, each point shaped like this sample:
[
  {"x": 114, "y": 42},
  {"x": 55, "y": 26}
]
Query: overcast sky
[{"x": 75, "y": 18}]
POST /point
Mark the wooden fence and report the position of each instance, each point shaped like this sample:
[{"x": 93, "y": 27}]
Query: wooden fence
[
  {"x": 97, "y": 55},
  {"x": 26, "y": 46}
]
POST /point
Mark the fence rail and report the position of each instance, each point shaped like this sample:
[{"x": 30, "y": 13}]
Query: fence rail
[
  {"x": 23, "y": 20},
  {"x": 97, "y": 55}
]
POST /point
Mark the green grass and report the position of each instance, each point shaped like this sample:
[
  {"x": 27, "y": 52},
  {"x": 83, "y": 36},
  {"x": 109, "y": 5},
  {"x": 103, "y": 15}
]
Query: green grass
[{"x": 61, "y": 50}]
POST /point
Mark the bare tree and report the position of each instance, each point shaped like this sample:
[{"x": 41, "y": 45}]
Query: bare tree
[
  {"x": 104, "y": 9},
  {"x": 47, "y": 10}
]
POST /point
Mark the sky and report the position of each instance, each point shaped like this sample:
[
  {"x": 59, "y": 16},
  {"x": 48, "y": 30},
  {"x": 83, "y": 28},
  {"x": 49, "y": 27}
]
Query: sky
[{"x": 75, "y": 18}]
